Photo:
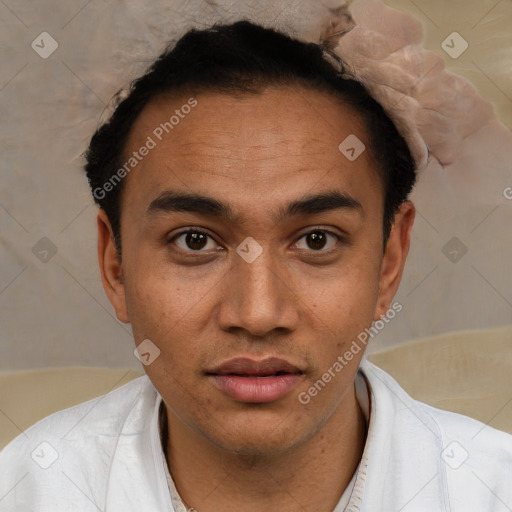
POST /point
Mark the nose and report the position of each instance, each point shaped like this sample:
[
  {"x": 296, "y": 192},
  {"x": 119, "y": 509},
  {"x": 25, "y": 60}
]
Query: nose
[{"x": 258, "y": 297}]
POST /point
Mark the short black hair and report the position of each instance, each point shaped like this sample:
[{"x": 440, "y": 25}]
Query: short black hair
[{"x": 237, "y": 59}]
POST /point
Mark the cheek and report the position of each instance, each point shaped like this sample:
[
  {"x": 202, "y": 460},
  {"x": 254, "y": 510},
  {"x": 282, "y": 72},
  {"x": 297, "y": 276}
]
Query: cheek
[
  {"x": 348, "y": 294},
  {"x": 164, "y": 311},
  {"x": 172, "y": 307},
  {"x": 342, "y": 307},
  {"x": 161, "y": 295}
]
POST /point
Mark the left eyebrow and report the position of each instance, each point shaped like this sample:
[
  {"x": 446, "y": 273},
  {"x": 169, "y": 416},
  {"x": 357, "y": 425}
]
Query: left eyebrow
[
  {"x": 319, "y": 203},
  {"x": 173, "y": 201}
]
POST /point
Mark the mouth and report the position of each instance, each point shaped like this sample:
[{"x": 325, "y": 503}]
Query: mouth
[{"x": 250, "y": 381}]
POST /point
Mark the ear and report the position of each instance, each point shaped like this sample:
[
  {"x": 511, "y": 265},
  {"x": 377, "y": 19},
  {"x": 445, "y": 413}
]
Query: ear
[
  {"x": 394, "y": 258},
  {"x": 111, "y": 268}
]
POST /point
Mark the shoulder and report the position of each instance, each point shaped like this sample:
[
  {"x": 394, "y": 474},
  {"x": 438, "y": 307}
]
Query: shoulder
[
  {"x": 104, "y": 409},
  {"x": 83, "y": 436},
  {"x": 450, "y": 425},
  {"x": 472, "y": 460},
  {"x": 470, "y": 441}
]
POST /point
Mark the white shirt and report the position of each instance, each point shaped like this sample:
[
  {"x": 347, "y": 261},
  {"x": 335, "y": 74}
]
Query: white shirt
[{"x": 106, "y": 454}]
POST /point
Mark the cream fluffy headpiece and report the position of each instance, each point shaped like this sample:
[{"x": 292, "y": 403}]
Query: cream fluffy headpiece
[{"x": 433, "y": 109}]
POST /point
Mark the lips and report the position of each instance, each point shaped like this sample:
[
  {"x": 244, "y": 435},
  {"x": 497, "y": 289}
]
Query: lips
[
  {"x": 251, "y": 368},
  {"x": 251, "y": 381}
]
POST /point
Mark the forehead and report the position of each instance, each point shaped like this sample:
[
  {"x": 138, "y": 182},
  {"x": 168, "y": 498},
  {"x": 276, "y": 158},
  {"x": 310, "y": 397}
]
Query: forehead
[
  {"x": 286, "y": 138},
  {"x": 291, "y": 115}
]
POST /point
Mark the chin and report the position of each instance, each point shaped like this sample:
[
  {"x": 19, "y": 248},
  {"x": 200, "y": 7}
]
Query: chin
[
  {"x": 258, "y": 447},
  {"x": 260, "y": 438}
]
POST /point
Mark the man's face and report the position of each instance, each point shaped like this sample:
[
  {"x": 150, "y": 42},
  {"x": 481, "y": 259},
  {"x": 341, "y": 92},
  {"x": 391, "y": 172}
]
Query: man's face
[{"x": 211, "y": 297}]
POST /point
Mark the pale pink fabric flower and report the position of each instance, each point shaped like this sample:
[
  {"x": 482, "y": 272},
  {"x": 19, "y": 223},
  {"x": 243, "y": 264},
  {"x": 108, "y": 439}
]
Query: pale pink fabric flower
[{"x": 432, "y": 108}]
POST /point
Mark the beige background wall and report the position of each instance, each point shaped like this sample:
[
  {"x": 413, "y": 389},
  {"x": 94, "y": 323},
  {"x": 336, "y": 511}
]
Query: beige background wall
[{"x": 53, "y": 311}]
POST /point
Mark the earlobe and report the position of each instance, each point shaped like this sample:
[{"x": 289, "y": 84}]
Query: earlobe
[
  {"x": 394, "y": 258},
  {"x": 111, "y": 267}
]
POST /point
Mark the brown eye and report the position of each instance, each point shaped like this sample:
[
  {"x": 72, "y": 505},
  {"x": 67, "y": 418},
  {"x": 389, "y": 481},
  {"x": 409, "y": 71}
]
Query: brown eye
[
  {"x": 316, "y": 240},
  {"x": 319, "y": 240},
  {"x": 193, "y": 240}
]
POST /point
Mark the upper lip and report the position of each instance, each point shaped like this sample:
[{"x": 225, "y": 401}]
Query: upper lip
[{"x": 250, "y": 367}]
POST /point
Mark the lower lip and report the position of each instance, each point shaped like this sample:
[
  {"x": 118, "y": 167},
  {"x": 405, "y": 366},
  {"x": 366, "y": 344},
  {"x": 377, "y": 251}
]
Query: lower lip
[{"x": 256, "y": 389}]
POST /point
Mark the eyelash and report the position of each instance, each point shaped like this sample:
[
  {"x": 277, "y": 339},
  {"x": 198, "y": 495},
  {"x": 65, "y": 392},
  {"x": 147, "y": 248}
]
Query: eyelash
[{"x": 313, "y": 230}]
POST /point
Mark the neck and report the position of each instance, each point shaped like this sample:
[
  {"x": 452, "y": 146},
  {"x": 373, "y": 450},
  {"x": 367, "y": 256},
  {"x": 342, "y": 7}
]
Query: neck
[{"x": 210, "y": 479}]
